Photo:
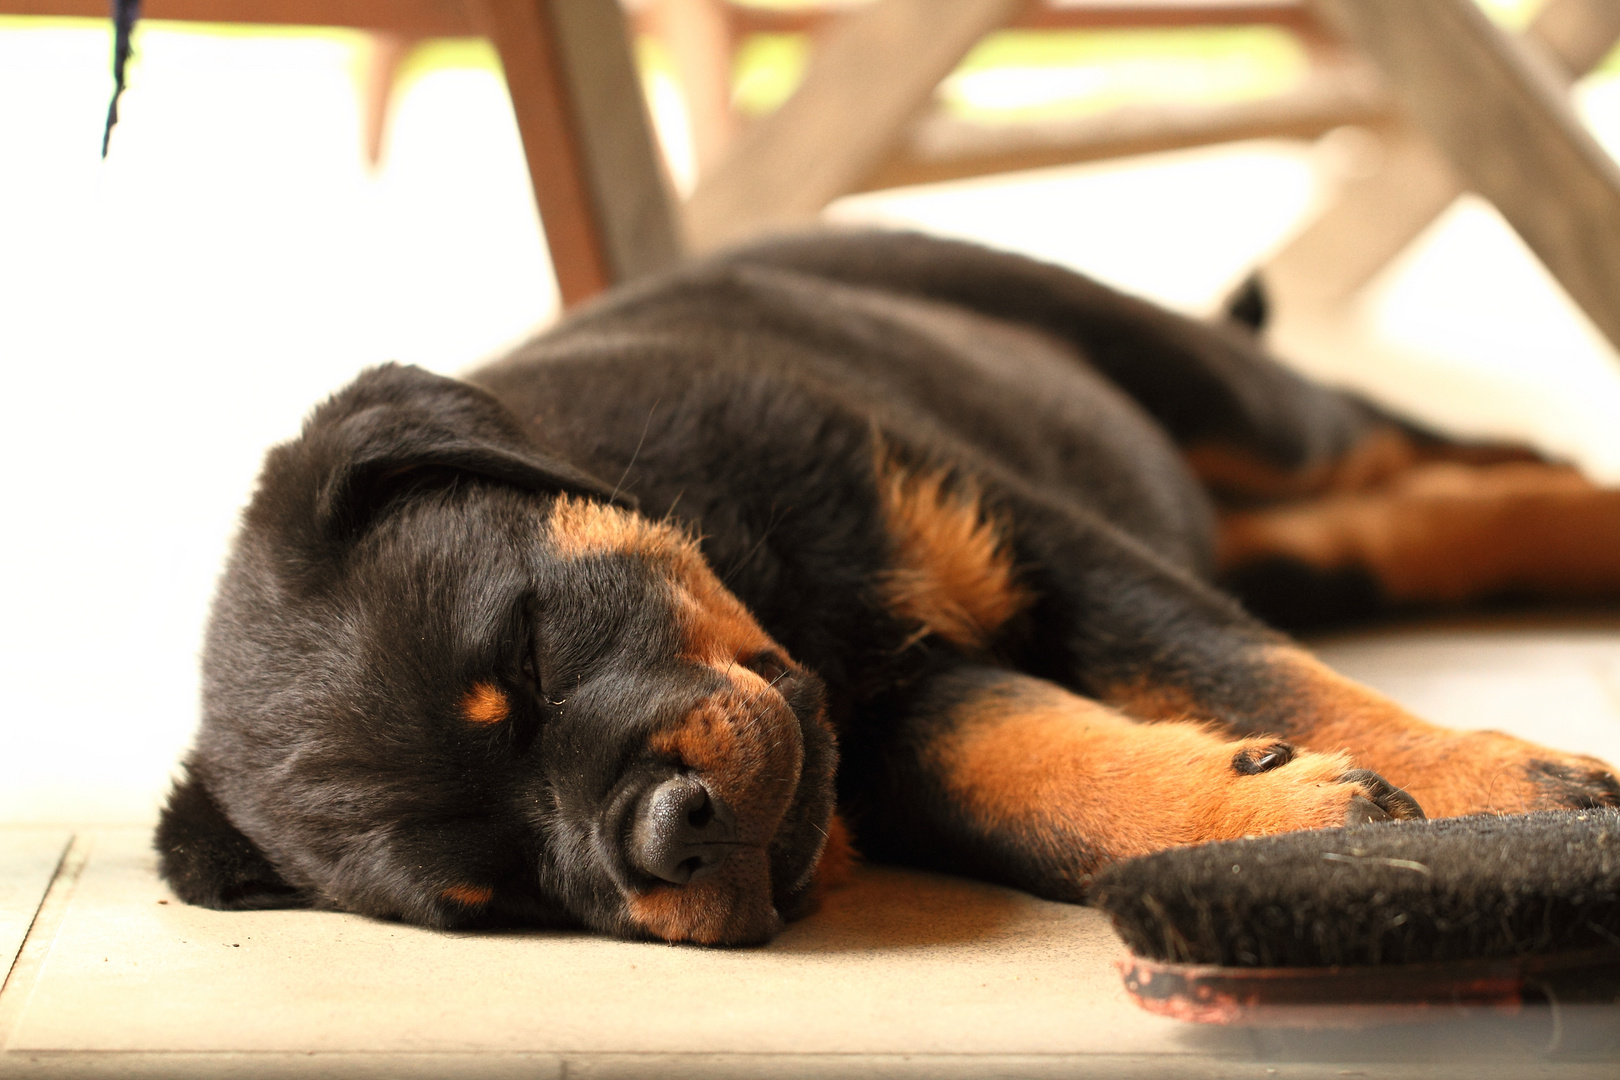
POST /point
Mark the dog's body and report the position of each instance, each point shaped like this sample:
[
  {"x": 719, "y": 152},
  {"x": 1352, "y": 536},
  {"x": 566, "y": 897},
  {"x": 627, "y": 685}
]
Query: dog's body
[{"x": 575, "y": 647}]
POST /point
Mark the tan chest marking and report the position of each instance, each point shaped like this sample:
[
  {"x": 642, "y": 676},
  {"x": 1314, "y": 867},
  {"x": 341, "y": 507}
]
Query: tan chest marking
[{"x": 953, "y": 573}]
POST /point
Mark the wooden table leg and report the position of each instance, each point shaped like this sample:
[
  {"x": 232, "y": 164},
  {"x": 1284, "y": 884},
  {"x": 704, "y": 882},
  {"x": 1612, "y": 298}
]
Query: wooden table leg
[
  {"x": 604, "y": 199},
  {"x": 870, "y": 73},
  {"x": 1502, "y": 120},
  {"x": 387, "y": 52},
  {"x": 1375, "y": 216}
]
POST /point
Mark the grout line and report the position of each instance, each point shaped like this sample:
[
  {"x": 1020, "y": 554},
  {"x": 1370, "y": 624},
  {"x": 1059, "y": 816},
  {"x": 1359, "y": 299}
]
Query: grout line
[
  {"x": 36, "y": 946},
  {"x": 56, "y": 872}
]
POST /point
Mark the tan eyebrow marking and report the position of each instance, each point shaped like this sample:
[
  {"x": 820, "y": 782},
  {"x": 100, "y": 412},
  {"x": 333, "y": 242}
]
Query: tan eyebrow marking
[
  {"x": 485, "y": 704},
  {"x": 579, "y": 527},
  {"x": 716, "y": 628},
  {"x": 469, "y": 895}
]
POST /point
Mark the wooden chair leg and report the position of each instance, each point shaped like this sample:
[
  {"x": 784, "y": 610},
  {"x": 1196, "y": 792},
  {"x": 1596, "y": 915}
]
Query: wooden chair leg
[
  {"x": 1501, "y": 118},
  {"x": 697, "y": 35},
  {"x": 604, "y": 198},
  {"x": 870, "y": 73},
  {"x": 1375, "y": 216},
  {"x": 387, "y": 52}
]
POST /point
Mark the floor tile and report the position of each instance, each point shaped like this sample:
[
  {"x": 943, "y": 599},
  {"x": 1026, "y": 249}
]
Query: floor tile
[{"x": 897, "y": 963}]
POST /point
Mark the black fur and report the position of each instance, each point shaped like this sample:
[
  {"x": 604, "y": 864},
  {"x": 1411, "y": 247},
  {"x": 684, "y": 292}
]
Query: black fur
[{"x": 209, "y": 862}]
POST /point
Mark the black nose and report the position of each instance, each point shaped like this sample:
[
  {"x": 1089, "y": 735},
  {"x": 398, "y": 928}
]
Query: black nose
[{"x": 681, "y": 831}]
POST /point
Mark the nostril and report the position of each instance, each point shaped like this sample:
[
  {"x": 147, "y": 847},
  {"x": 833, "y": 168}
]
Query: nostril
[
  {"x": 680, "y": 831},
  {"x": 700, "y": 817}
]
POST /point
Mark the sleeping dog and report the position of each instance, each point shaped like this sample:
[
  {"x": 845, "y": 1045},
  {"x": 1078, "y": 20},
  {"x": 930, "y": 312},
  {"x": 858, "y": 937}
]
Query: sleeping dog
[{"x": 871, "y": 543}]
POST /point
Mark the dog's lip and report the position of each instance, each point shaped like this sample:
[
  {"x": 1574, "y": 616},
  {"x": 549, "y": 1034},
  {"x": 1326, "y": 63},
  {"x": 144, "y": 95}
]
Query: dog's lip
[{"x": 792, "y": 887}]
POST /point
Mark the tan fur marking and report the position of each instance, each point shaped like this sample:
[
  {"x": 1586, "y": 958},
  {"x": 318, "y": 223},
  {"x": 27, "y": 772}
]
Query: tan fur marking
[
  {"x": 1379, "y": 458},
  {"x": 1238, "y": 473},
  {"x": 747, "y": 749},
  {"x": 485, "y": 703},
  {"x": 1075, "y": 772},
  {"x": 716, "y": 628},
  {"x": 708, "y": 911},
  {"x": 1447, "y": 533},
  {"x": 743, "y": 740},
  {"x": 954, "y": 575},
  {"x": 1448, "y": 772},
  {"x": 580, "y": 527},
  {"x": 838, "y": 858},
  {"x": 1144, "y": 699},
  {"x": 469, "y": 895},
  {"x": 731, "y": 907}
]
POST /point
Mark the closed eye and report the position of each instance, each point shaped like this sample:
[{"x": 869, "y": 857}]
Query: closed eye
[
  {"x": 527, "y": 720},
  {"x": 531, "y": 672}
]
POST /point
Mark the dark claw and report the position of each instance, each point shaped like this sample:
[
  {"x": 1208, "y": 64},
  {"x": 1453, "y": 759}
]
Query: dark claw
[
  {"x": 1382, "y": 796},
  {"x": 1262, "y": 759},
  {"x": 1363, "y": 810}
]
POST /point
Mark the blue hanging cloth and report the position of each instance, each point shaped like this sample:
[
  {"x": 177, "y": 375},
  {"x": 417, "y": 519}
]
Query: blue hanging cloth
[{"x": 124, "y": 14}]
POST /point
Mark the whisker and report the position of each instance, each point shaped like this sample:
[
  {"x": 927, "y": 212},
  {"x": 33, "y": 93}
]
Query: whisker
[{"x": 637, "y": 452}]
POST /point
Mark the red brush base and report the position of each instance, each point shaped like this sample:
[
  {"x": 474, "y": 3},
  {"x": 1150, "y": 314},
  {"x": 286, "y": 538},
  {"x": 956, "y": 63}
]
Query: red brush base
[{"x": 1361, "y": 996}]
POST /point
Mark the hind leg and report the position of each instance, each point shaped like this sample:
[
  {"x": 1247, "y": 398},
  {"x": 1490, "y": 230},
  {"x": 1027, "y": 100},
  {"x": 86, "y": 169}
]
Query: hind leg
[
  {"x": 1116, "y": 625},
  {"x": 1427, "y": 525},
  {"x": 1417, "y": 523}
]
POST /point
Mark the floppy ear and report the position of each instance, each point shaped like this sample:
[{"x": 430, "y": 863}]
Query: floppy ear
[
  {"x": 397, "y": 426},
  {"x": 207, "y": 860}
]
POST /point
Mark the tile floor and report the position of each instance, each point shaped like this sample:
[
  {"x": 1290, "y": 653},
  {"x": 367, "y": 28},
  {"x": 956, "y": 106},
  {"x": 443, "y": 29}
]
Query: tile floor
[{"x": 902, "y": 974}]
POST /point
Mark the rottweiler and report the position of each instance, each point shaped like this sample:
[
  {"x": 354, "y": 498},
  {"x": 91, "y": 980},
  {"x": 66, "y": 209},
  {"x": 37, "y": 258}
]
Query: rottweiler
[{"x": 867, "y": 543}]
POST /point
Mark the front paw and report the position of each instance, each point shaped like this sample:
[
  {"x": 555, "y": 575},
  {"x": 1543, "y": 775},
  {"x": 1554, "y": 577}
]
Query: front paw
[
  {"x": 1486, "y": 772},
  {"x": 1274, "y": 787}
]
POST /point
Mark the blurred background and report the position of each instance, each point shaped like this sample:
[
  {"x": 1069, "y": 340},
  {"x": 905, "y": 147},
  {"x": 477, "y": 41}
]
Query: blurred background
[{"x": 169, "y": 312}]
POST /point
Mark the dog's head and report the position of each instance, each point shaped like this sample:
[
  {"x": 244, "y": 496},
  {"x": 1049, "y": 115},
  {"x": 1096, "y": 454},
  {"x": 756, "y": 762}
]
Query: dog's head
[{"x": 452, "y": 679}]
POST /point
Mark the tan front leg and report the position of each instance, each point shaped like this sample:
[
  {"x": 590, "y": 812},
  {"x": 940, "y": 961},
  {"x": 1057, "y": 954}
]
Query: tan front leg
[{"x": 1042, "y": 786}]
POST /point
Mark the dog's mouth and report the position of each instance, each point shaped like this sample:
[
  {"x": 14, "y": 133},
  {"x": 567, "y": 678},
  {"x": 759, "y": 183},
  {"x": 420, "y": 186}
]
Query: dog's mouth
[{"x": 720, "y": 840}]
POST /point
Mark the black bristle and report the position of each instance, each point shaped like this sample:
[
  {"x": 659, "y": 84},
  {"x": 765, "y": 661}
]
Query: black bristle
[{"x": 1382, "y": 893}]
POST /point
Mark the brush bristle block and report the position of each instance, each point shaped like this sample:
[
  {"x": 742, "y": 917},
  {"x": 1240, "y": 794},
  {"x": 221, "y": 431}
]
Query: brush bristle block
[{"x": 1384, "y": 893}]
